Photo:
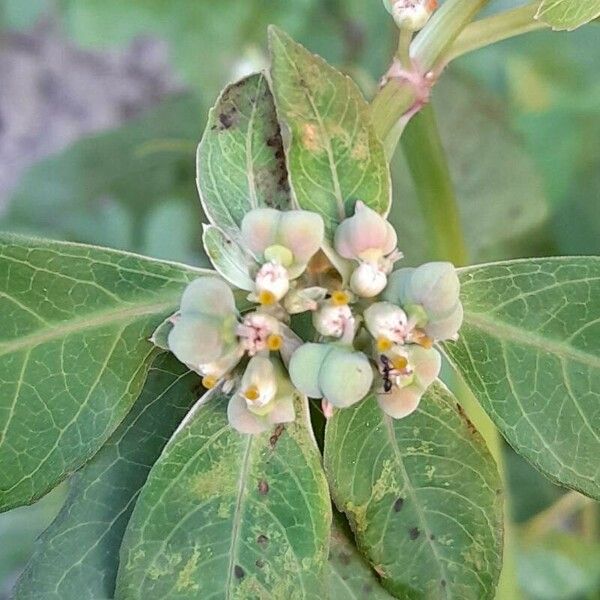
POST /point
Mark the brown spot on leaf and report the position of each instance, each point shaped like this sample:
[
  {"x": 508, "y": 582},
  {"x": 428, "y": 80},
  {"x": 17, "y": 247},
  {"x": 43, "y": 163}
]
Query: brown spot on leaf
[
  {"x": 443, "y": 582},
  {"x": 277, "y": 433},
  {"x": 260, "y": 563},
  {"x": 398, "y": 504},
  {"x": 310, "y": 137},
  {"x": 414, "y": 533},
  {"x": 466, "y": 419},
  {"x": 238, "y": 572},
  {"x": 263, "y": 487},
  {"x": 262, "y": 540}
]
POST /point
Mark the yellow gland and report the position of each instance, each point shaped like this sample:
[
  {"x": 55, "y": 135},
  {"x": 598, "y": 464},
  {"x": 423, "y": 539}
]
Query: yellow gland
[
  {"x": 340, "y": 298},
  {"x": 209, "y": 381},
  {"x": 399, "y": 363},
  {"x": 274, "y": 342},
  {"x": 267, "y": 298},
  {"x": 252, "y": 394},
  {"x": 383, "y": 344},
  {"x": 425, "y": 342}
]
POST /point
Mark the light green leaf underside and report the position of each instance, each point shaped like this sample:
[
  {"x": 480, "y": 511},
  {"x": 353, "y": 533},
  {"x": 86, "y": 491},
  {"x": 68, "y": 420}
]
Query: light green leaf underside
[
  {"x": 78, "y": 556},
  {"x": 74, "y": 353},
  {"x": 350, "y": 577},
  {"x": 241, "y": 164},
  {"x": 568, "y": 14},
  {"x": 530, "y": 351},
  {"x": 228, "y": 258},
  {"x": 422, "y": 495},
  {"x": 224, "y": 515},
  {"x": 334, "y": 157}
]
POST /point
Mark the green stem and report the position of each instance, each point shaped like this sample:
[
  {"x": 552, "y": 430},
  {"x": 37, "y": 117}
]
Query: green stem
[
  {"x": 495, "y": 29},
  {"x": 403, "y": 53},
  {"x": 398, "y": 95},
  {"x": 426, "y": 159},
  {"x": 446, "y": 24},
  {"x": 422, "y": 146}
]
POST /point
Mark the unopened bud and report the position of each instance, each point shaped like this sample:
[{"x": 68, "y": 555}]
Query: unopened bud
[
  {"x": 368, "y": 280},
  {"x": 411, "y": 14}
]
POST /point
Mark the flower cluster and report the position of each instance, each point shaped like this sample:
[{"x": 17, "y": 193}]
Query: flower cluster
[{"x": 373, "y": 334}]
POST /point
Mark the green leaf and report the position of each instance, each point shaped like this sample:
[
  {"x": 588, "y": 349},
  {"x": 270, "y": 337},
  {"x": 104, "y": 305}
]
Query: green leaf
[
  {"x": 334, "y": 156},
  {"x": 74, "y": 353},
  {"x": 78, "y": 556},
  {"x": 530, "y": 351},
  {"x": 228, "y": 258},
  {"x": 350, "y": 577},
  {"x": 224, "y": 514},
  {"x": 568, "y": 14},
  {"x": 241, "y": 164},
  {"x": 422, "y": 496}
]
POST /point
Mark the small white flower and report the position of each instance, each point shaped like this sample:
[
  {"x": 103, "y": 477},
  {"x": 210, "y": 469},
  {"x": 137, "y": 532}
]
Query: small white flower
[
  {"x": 258, "y": 386},
  {"x": 259, "y": 332},
  {"x": 387, "y": 323},
  {"x": 272, "y": 283},
  {"x": 332, "y": 319}
]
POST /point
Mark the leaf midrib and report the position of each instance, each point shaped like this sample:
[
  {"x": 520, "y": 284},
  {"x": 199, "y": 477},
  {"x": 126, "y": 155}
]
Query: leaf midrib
[
  {"x": 511, "y": 333},
  {"x": 100, "y": 319},
  {"x": 413, "y": 495}
]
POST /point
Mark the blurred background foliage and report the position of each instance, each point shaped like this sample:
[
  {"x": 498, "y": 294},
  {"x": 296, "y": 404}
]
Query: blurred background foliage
[{"x": 102, "y": 103}]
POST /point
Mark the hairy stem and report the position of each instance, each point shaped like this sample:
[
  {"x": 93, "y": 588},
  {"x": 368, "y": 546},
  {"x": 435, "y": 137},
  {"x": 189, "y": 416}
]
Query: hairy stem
[
  {"x": 422, "y": 146},
  {"x": 495, "y": 29}
]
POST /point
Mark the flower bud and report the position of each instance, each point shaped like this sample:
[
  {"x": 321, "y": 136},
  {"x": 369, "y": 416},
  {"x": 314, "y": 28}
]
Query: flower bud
[
  {"x": 367, "y": 280},
  {"x": 340, "y": 375},
  {"x": 431, "y": 296},
  {"x": 387, "y": 323},
  {"x": 289, "y": 238},
  {"x": 411, "y": 14},
  {"x": 271, "y": 284},
  {"x": 331, "y": 319}
]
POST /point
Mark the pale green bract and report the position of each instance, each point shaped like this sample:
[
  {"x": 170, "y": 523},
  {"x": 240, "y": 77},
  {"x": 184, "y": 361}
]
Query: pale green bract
[
  {"x": 529, "y": 349},
  {"x": 568, "y": 14},
  {"x": 422, "y": 495},
  {"x": 333, "y": 154},
  {"x": 74, "y": 353},
  {"x": 239, "y": 515}
]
